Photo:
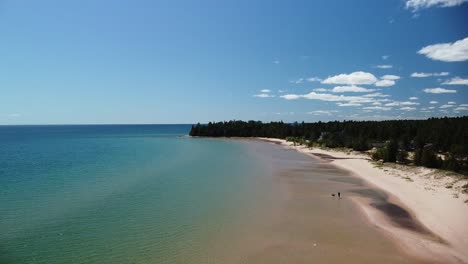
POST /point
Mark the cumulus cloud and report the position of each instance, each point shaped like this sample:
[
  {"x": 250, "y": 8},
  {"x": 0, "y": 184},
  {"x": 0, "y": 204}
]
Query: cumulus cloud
[
  {"x": 456, "y": 81},
  {"x": 314, "y": 79},
  {"x": 420, "y": 4},
  {"x": 413, "y": 98},
  {"x": 349, "y": 104},
  {"x": 320, "y": 90},
  {"x": 409, "y": 103},
  {"x": 265, "y": 91},
  {"x": 448, "y": 52},
  {"x": 328, "y": 97},
  {"x": 351, "y": 88},
  {"x": 384, "y": 57},
  {"x": 447, "y": 106},
  {"x": 390, "y": 77},
  {"x": 427, "y": 74},
  {"x": 290, "y": 96},
  {"x": 438, "y": 90},
  {"x": 264, "y": 95},
  {"x": 377, "y": 108},
  {"x": 396, "y": 103},
  {"x": 385, "y": 83},
  {"x": 355, "y": 78},
  {"x": 407, "y": 108},
  {"x": 461, "y": 108},
  {"x": 371, "y": 95},
  {"x": 384, "y": 66},
  {"x": 433, "y": 102},
  {"x": 451, "y": 102}
]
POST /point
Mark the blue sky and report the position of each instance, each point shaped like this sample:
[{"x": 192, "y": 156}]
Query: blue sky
[{"x": 100, "y": 62}]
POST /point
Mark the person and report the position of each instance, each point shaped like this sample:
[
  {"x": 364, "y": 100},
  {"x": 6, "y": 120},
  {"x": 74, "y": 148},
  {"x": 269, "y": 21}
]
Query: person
[{"x": 339, "y": 195}]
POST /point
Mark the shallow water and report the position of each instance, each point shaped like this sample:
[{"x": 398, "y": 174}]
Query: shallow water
[
  {"x": 116, "y": 194},
  {"x": 144, "y": 194}
]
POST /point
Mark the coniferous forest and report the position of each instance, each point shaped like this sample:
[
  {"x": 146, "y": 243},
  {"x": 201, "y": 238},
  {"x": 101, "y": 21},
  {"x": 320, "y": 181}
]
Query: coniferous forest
[{"x": 435, "y": 142}]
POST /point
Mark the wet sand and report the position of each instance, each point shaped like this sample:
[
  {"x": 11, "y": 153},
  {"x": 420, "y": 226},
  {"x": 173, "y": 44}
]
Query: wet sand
[
  {"x": 411, "y": 206},
  {"x": 301, "y": 222}
]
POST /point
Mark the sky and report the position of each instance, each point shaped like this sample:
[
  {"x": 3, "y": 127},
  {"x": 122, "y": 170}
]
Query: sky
[{"x": 139, "y": 62}]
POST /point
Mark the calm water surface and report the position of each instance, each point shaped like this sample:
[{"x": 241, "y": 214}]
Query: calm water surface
[
  {"x": 116, "y": 194},
  {"x": 150, "y": 194}
]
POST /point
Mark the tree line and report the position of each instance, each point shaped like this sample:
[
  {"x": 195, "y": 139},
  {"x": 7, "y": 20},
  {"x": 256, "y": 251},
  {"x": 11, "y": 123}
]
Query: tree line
[{"x": 435, "y": 142}]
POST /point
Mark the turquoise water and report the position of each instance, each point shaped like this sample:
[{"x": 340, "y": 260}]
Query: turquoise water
[{"x": 117, "y": 194}]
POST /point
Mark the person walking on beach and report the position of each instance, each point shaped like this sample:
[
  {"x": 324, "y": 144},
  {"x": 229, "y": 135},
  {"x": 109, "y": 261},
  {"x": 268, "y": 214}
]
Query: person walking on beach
[{"x": 339, "y": 195}]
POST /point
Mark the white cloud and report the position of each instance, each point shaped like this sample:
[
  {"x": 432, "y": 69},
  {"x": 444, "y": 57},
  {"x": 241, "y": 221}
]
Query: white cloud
[
  {"x": 409, "y": 103},
  {"x": 377, "y": 108},
  {"x": 413, "y": 98},
  {"x": 314, "y": 79},
  {"x": 407, "y": 108},
  {"x": 281, "y": 91},
  {"x": 384, "y": 57},
  {"x": 355, "y": 78},
  {"x": 420, "y": 4},
  {"x": 265, "y": 91},
  {"x": 320, "y": 90},
  {"x": 456, "y": 81},
  {"x": 322, "y": 112},
  {"x": 396, "y": 103},
  {"x": 349, "y": 104},
  {"x": 276, "y": 61},
  {"x": 428, "y": 74},
  {"x": 451, "y": 102},
  {"x": 264, "y": 95},
  {"x": 461, "y": 108},
  {"x": 329, "y": 97},
  {"x": 433, "y": 102},
  {"x": 384, "y": 66},
  {"x": 298, "y": 81},
  {"x": 290, "y": 96},
  {"x": 351, "y": 88},
  {"x": 449, "y": 52},
  {"x": 385, "y": 83},
  {"x": 464, "y": 105},
  {"x": 390, "y": 77},
  {"x": 447, "y": 106},
  {"x": 431, "y": 107},
  {"x": 371, "y": 95},
  {"x": 438, "y": 90},
  {"x": 393, "y": 104}
]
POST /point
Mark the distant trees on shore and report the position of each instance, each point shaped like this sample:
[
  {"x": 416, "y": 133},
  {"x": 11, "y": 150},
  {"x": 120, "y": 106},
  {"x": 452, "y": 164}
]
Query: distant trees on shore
[{"x": 435, "y": 142}]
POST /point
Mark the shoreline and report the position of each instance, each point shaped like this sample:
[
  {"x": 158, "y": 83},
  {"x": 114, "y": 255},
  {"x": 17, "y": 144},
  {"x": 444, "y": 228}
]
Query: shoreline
[{"x": 440, "y": 211}]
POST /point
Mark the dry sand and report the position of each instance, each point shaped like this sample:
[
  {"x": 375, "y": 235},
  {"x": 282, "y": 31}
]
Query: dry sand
[{"x": 433, "y": 199}]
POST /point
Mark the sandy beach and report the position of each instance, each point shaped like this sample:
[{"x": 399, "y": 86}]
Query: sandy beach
[{"x": 433, "y": 202}]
